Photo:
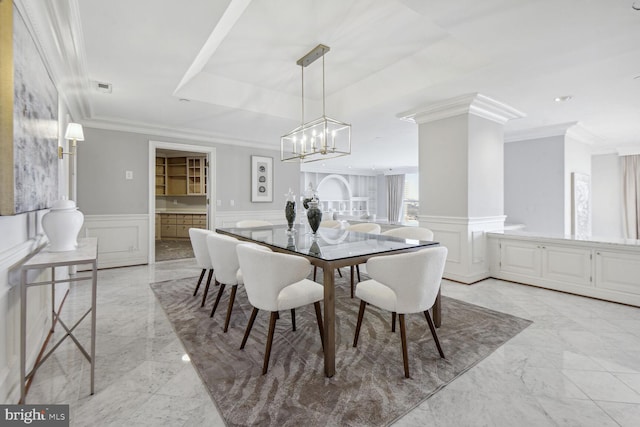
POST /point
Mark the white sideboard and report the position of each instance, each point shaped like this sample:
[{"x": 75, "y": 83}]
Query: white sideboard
[{"x": 600, "y": 268}]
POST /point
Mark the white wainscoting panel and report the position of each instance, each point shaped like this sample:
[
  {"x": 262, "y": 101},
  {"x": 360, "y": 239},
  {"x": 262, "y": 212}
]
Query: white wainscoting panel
[
  {"x": 122, "y": 239},
  {"x": 465, "y": 238},
  {"x": 38, "y": 319}
]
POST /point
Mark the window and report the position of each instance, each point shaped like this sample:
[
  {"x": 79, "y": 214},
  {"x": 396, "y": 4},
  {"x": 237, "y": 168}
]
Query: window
[{"x": 411, "y": 200}]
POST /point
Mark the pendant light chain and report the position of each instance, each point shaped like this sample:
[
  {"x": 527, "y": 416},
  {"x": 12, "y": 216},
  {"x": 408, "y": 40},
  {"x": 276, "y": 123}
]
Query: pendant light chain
[{"x": 302, "y": 121}]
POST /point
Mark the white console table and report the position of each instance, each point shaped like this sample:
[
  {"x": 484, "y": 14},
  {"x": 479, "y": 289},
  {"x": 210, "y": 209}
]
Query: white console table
[
  {"x": 85, "y": 254},
  {"x": 607, "y": 269}
]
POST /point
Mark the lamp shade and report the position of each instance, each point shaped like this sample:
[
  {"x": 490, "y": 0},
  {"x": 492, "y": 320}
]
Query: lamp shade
[{"x": 74, "y": 132}]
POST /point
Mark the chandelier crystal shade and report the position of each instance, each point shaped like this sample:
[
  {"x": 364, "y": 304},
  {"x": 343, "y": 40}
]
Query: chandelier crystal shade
[{"x": 320, "y": 139}]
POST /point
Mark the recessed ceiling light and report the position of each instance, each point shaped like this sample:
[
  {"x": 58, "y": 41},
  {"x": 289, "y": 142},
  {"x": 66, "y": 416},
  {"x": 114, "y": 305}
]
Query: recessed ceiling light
[
  {"x": 636, "y": 77},
  {"x": 564, "y": 98},
  {"x": 184, "y": 100},
  {"x": 636, "y": 5}
]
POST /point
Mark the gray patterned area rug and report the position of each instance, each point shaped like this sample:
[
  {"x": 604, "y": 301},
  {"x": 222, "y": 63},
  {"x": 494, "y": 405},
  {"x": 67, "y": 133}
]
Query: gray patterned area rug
[{"x": 369, "y": 388}]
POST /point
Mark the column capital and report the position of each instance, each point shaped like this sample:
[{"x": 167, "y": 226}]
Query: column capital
[{"x": 474, "y": 103}]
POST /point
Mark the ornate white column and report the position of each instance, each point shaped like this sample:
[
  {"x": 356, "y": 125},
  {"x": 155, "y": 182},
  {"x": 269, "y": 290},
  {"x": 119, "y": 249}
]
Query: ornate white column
[{"x": 461, "y": 166}]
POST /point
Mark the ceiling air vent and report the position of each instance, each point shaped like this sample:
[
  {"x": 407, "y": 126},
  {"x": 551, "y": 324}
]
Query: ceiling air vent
[{"x": 102, "y": 87}]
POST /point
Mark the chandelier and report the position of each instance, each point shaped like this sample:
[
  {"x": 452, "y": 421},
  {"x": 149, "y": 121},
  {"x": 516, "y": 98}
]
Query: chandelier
[{"x": 320, "y": 139}]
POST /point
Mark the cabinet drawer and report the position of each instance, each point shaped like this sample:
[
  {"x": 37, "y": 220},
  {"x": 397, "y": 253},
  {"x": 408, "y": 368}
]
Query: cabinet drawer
[
  {"x": 168, "y": 219},
  {"x": 183, "y": 219},
  {"x": 183, "y": 230},
  {"x": 168, "y": 230},
  {"x": 199, "y": 221}
]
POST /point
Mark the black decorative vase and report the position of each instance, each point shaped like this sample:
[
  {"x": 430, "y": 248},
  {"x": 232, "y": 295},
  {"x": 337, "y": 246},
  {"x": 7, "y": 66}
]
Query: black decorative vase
[
  {"x": 314, "y": 215},
  {"x": 290, "y": 213},
  {"x": 290, "y": 209}
]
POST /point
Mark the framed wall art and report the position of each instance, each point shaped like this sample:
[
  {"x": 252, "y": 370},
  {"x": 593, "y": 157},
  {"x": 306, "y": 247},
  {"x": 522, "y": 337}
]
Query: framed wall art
[
  {"x": 261, "y": 179},
  {"x": 581, "y": 204},
  {"x": 28, "y": 120}
]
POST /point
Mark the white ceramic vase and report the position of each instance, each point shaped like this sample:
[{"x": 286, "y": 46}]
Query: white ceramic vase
[{"x": 62, "y": 225}]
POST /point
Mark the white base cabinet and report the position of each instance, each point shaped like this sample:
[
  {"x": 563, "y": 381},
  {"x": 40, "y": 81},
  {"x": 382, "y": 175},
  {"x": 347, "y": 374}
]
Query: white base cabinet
[{"x": 596, "y": 269}]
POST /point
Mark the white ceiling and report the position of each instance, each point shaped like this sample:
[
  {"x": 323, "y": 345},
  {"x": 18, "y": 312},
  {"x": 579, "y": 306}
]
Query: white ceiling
[{"x": 236, "y": 63}]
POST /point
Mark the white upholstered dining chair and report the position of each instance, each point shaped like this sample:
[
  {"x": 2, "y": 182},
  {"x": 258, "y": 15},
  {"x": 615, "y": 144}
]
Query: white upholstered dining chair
[
  {"x": 275, "y": 282},
  {"x": 416, "y": 233},
  {"x": 331, "y": 223},
  {"x": 404, "y": 284},
  {"x": 222, "y": 250},
  {"x": 364, "y": 227},
  {"x": 198, "y": 239}
]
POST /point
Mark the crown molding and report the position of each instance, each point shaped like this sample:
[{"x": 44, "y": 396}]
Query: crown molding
[
  {"x": 580, "y": 134},
  {"x": 318, "y": 168},
  {"x": 178, "y": 133},
  {"x": 630, "y": 150},
  {"x": 475, "y": 104},
  {"x": 574, "y": 130},
  {"x": 559, "y": 129}
]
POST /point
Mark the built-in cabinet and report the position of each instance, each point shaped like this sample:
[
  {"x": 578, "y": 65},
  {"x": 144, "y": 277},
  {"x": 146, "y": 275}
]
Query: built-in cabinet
[
  {"x": 547, "y": 261},
  {"x": 181, "y": 176},
  {"x": 176, "y": 226},
  {"x": 343, "y": 194},
  {"x": 161, "y": 176},
  {"x": 597, "y": 269}
]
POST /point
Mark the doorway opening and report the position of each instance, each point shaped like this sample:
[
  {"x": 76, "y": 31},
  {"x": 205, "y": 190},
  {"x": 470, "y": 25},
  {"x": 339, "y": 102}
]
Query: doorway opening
[{"x": 181, "y": 185}]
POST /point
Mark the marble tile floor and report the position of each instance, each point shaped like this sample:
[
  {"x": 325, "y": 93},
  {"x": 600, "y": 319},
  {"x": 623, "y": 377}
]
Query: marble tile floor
[{"x": 577, "y": 365}]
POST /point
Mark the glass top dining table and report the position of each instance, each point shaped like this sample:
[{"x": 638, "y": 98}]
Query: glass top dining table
[{"x": 330, "y": 249}]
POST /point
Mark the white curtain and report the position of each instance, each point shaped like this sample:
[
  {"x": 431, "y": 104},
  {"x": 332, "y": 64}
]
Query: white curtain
[
  {"x": 631, "y": 196},
  {"x": 395, "y": 193}
]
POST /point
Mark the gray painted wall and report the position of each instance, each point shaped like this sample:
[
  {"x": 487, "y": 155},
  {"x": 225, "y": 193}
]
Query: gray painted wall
[
  {"x": 105, "y": 155},
  {"x": 534, "y": 184}
]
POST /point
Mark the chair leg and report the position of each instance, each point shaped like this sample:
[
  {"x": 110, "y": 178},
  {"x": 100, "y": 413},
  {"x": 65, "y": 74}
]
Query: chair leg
[
  {"x": 204, "y": 270},
  {"x": 393, "y": 321},
  {"x": 206, "y": 288},
  {"x": 433, "y": 332},
  {"x": 293, "y": 319},
  {"x": 247, "y": 331},
  {"x": 315, "y": 270},
  {"x": 352, "y": 281},
  {"x": 360, "y": 316},
  {"x": 232, "y": 298},
  {"x": 358, "y": 270},
  {"x": 339, "y": 272},
  {"x": 319, "y": 320},
  {"x": 215, "y": 304},
  {"x": 267, "y": 351},
  {"x": 403, "y": 337}
]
